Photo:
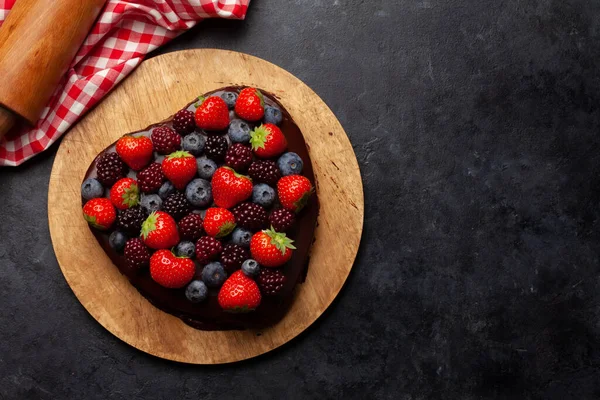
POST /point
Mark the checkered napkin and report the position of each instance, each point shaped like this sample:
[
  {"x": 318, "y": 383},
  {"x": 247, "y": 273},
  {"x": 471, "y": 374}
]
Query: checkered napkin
[{"x": 125, "y": 32}]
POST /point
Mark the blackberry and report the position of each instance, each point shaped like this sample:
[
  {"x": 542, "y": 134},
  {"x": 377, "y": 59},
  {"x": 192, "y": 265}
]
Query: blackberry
[
  {"x": 281, "y": 219},
  {"x": 270, "y": 281},
  {"x": 136, "y": 253},
  {"x": 215, "y": 147},
  {"x": 177, "y": 206},
  {"x": 265, "y": 171},
  {"x": 233, "y": 256},
  {"x": 184, "y": 122},
  {"x": 207, "y": 249},
  {"x": 150, "y": 179},
  {"x": 110, "y": 169},
  {"x": 238, "y": 157},
  {"x": 250, "y": 216},
  {"x": 165, "y": 140},
  {"x": 190, "y": 227},
  {"x": 130, "y": 220}
]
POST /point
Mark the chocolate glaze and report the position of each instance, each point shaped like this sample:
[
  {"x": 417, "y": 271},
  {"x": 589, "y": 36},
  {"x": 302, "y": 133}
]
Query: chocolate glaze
[{"x": 208, "y": 315}]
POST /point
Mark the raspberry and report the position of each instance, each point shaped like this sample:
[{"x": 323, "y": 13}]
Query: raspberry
[
  {"x": 184, "y": 122},
  {"x": 233, "y": 256},
  {"x": 150, "y": 179},
  {"x": 110, "y": 169},
  {"x": 190, "y": 227},
  {"x": 136, "y": 253},
  {"x": 250, "y": 216},
  {"x": 130, "y": 220},
  {"x": 177, "y": 206},
  {"x": 207, "y": 249},
  {"x": 264, "y": 171},
  {"x": 215, "y": 147},
  {"x": 165, "y": 140},
  {"x": 281, "y": 219},
  {"x": 270, "y": 281},
  {"x": 239, "y": 157}
]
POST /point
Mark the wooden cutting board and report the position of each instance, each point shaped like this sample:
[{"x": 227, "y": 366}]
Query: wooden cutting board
[{"x": 156, "y": 90}]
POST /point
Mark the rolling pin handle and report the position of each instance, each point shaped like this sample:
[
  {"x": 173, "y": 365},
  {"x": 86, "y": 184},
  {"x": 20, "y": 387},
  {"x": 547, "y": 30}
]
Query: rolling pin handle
[{"x": 7, "y": 121}]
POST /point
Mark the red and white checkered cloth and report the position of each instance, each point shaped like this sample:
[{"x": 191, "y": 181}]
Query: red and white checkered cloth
[{"x": 125, "y": 32}]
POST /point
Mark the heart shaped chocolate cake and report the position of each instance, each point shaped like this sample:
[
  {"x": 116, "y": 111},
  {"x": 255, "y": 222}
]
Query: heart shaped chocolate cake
[{"x": 211, "y": 213}]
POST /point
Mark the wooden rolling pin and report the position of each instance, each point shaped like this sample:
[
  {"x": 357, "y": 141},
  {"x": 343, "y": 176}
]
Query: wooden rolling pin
[{"x": 38, "y": 42}]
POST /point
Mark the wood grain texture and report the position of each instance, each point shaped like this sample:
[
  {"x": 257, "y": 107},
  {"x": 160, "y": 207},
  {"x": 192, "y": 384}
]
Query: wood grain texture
[
  {"x": 156, "y": 90},
  {"x": 38, "y": 42}
]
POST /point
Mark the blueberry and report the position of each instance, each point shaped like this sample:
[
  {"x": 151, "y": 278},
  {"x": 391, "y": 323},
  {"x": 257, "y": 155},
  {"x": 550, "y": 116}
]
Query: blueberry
[
  {"x": 250, "y": 267},
  {"x": 241, "y": 237},
  {"x": 199, "y": 193},
  {"x": 194, "y": 143},
  {"x": 166, "y": 190},
  {"x": 239, "y": 131},
  {"x": 206, "y": 167},
  {"x": 273, "y": 115},
  {"x": 117, "y": 241},
  {"x": 263, "y": 195},
  {"x": 91, "y": 188},
  {"x": 151, "y": 202},
  {"x": 185, "y": 249},
  {"x": 196, "y": 291},
  {"x": 214, "y": 274},
  {"x": 290, "y": 164},
  {"x": 230, "y": 98}
]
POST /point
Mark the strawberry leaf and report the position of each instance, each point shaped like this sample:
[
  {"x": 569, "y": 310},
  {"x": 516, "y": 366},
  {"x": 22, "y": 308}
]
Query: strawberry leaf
[
  {"x": 131, "y": 196},
  {"x": 258, "y": 137},
  {"x": 149, "y": 225},
  {"x": 280, "y": 240},
  {"x": 261, "y": 97},
  {"x": 225, "y": 229},
  {"x": 179, "y": 154}
]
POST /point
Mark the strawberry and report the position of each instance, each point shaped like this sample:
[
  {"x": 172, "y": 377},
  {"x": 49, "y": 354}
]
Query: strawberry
[
  {"x": 230, "y": 188},
  {"x": 270, "y": 248},
  {"x": 239, "y": 294},
  {"x": 212, "y": 114},
  {"x": 294, "y": 191},
  {"x": 218, "y": 222},
  {"x": 267, "y": 141},
  {"x": 170, "y": 271},
  {"x": 250, "y": 104},
  {"x": 180, "y": 168},
  {"x": 125, "y": 193},
  {"x": 136, "y": 151},
  {"x": 159, "y": 231},
  {"x": 99, "y": 213}
]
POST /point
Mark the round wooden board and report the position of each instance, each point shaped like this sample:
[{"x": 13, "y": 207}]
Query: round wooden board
[{"x": 156, "y": 90}]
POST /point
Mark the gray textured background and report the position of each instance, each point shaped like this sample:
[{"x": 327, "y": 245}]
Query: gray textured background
[{"x": 476, "y": 124}]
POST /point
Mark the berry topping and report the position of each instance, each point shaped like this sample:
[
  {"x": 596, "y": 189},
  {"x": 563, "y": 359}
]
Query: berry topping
[
  {"x": 239, "y": 131},
  {"x": 264, "y": 171},
  {"x": 110, "y": 168},
  {"x": 151, "y": 178},
  {"x": 250, "y": 216},
  {"x": 199, "y": 193},
  {"x": 251, "y": 268},
  {"x": 239, "y": 157},
  {"x": 180, "y": 168},
  {"x": 207, "y": 249},
  {"x": 125, "y": 193},
  {"x": 99, "y": 213},
  {"x": 136, "y": 254},
  {"x": 165, "y": 139},
  {"x": 267, "y": 141},
  {"x": 233, "y": 256},
  {"x": 218, "y": 222},
  {"x": 239, "y": 294},
  {"x": 230, "y": 188},
  {"x": 250, "y": 104},
  {"x": 263, "y": 195},
  {"x": 170, "y": 271},
  {"x": 212, "y": 114},
  {"x": 241, "y": 237},
  {"x": 196, "y": 291},
  {"x": 273, "y": 115},
  {"x": 190, "y": 227},
  {"x": 216, "y": 147},
  {"x": 229, "y": 98},
  {"x": 151, "y": 202},
  {"x": 117, "y": 241},
  {"x": 159, "y": 231},
  {"x": 214, "y": 274},
  {"x": 270, "y": 281},
  {"x": 281, "y": 219},
  {"x": 206, "y": 167},
  {"x": 177, "y": 206},
  {"x": 91, "y": 188},
  {"x": 290, "y": 164},
  {"x": 130, "y": 221},
  {"x": 194, "y": 143},
  {"x": 294, "y": 192},
  {"x": 166, "y": 189},
  {"x": 184, "y": 122},
  {"x": 270, "y": 248},
  {"x": 135, "y": 151},
  {"x": 185, "y": 249}
]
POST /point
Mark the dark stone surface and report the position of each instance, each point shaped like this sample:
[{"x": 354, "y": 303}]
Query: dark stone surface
[{"x": 476, "y": 127}]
